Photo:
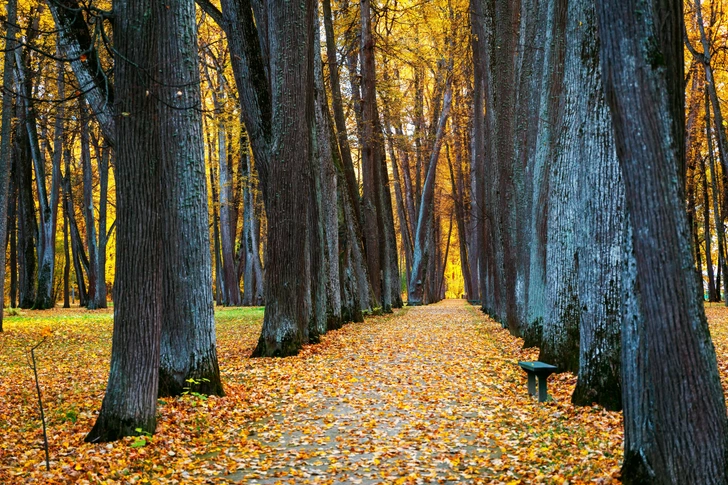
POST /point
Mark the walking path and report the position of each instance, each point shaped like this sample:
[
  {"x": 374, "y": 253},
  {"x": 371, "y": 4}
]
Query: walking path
[{"x": 430, "y": 395}]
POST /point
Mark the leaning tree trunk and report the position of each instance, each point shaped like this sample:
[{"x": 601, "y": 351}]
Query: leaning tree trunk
[
  {"x": 676, "y": 431},
  {"x": 420, "y": 254},
  {"x": 130, "y": 402},
  {"x": 188, "y": 341}
]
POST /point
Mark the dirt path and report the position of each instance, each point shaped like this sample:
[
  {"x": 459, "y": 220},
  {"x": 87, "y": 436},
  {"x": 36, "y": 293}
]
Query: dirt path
[{"x": 430, "y": 395}]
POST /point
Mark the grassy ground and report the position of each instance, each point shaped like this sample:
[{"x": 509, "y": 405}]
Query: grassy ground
[{"x": 429, "y": 395}]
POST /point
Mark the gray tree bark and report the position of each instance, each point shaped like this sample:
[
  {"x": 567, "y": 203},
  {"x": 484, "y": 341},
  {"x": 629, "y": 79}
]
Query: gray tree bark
[
  {"x": 130, "y": 401},
  {"x": 674, "y": 409},
  {"x": 188, "y": 341}
]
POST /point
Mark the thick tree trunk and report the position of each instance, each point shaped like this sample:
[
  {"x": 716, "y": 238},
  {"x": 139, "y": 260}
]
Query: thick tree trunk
[
  {"x": 675, "y": 432},
  {"x": 288, "y": 283},
  {"x": 188, "y": 342},
  {"x": 131, "y": 395},
  {"x": 600, "y": 233}
]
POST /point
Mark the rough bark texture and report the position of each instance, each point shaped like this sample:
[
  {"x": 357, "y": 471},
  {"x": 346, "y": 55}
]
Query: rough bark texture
[
  {"x": 188, "y": 343},
  {"x": 287, "y": 284},
  {"x": 600, "y": 233},
  {"x": 131, "y": 395},
  {"x": 372, "y": 220},
  {"x": 675, "y": 429}
]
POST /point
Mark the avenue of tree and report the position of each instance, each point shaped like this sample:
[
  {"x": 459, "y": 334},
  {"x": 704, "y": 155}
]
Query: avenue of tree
[{"x": 563, "y": 164}]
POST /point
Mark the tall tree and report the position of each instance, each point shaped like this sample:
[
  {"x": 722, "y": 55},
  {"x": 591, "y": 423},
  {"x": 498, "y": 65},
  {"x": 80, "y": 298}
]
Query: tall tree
[
  {"x": 279, "y": 113},
  {"x": 188, "y": 340},
  {"x": 674, "y": 410},
  {"x": 130, "y": 401}
]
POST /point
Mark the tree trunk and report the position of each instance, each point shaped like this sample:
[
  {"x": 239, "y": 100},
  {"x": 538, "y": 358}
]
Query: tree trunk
[
  {"x": 88, "y": 211},
  {"x": 288, "y": 284},
  {"x": 337, "y": 105},
  {"x": 329, "y": 188},
  {"x": 67, "y": 264},
  {"x": 600, "y": 233},
  {"x": 76, "y": 43},
  {"x": 420, "y": 254},
  {"x": 675, "y": 432},
  {"x": 130, "y": 401},
  {"x": 713, "y": 290},
  {"x": 459, "y": 203},
  {"x": 372, "y": 220},
  {"x": 5, "y": 146},
  {"x": 230, "y": 284},
  {"x": 45, "y": 242},
  {"x": 103, "y": 167},
  {"x": 717, "y": 213},
  {"x": 27, "y": 225},
  {"x": 13, "y": 228},
  {"x": 188, "y": 341},
  {"x": 80, "y": 261},
  {"x": 253, "y": 274}
]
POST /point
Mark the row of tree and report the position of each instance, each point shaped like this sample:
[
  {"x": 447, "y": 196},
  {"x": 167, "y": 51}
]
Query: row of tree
[{"x": 583, "y": 238}]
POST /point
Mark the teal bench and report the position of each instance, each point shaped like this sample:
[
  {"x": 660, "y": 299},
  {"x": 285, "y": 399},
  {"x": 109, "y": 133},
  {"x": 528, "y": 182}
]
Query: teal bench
[{"x": 542, "y": 371}]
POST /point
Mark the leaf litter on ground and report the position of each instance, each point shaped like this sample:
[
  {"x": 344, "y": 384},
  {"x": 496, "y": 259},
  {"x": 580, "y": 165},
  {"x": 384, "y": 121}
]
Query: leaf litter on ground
[{"x": 427, "y": 395}]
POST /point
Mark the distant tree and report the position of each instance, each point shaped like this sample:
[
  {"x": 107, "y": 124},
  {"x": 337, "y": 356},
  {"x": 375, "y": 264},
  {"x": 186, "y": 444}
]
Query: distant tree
[{"x": 6, "y": 133}]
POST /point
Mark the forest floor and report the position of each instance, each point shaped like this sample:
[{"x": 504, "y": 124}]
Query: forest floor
[{"x": 427, "y": 395}]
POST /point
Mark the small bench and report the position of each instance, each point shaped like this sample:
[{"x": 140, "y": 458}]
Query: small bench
[{"x": 542, "y": 371}]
